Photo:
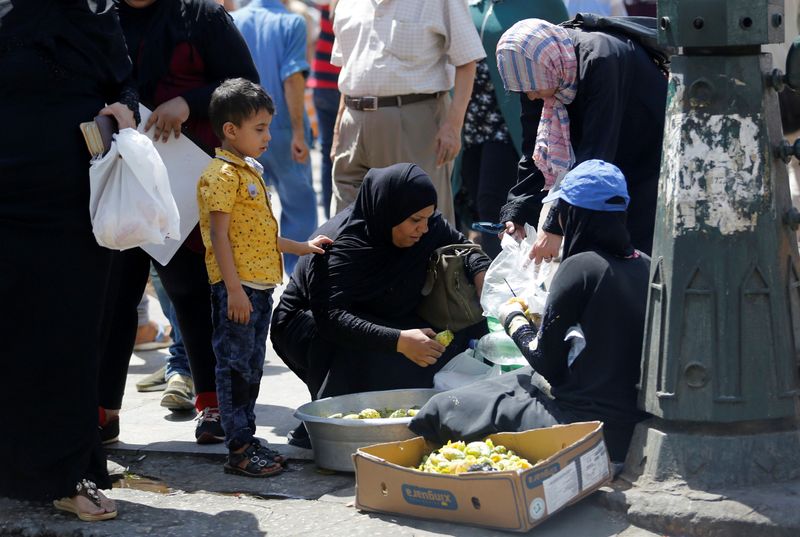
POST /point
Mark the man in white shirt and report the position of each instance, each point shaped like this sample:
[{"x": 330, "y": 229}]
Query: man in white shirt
[{"x": 399, "y": 60}]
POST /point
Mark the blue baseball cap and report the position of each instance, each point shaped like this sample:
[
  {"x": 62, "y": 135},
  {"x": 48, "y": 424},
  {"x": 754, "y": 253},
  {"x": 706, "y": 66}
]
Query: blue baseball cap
[{"x": 590, "y": 185}]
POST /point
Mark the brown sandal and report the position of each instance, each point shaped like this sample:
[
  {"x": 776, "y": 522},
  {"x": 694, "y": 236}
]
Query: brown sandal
[
  {"x": 88, "y": 490},
  {"x": 260, "y": 462}
]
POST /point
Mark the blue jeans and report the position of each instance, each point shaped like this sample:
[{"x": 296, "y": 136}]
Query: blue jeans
[
  {"x": 326, "y": 102},
  {"x": 177, "y": 361},
  {"x": 292, "y": 180},
  {"x": 240, "y": 350}
]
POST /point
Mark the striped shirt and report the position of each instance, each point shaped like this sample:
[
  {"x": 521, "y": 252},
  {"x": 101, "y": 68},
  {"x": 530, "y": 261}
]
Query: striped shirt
[{"x": 324, "y": 75}]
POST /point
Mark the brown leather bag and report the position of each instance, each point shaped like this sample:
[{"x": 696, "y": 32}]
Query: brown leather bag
[{"x": 449, "y": 300}]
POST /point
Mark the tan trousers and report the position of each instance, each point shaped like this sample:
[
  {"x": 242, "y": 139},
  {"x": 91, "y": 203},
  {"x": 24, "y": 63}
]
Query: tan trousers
[{"x": 388, "y": 136}]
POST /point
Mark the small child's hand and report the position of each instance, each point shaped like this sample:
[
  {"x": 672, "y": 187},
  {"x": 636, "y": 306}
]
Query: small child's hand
[
  {"x": 239, "y": 307},
  {"x": 315, "y": 245}
]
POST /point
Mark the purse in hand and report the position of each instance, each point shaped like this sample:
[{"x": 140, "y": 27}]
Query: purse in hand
[{"x": 449, "y": 300}]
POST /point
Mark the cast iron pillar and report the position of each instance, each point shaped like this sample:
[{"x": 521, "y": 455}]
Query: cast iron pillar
[{"x": 719, "y": 365}]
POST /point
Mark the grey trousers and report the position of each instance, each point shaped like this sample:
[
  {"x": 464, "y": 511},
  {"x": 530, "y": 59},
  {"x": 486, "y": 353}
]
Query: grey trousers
[{"x": 389, "y": 135}]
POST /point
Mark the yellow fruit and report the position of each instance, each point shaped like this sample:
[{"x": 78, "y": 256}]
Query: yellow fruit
[
  {"x": 457, "y": 457},
  {"x": 444, "y": 337},
  {"x": 369, "y": 413}
]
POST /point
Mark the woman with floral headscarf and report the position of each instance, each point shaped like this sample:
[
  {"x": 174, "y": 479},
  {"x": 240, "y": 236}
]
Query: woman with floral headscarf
[{"x": 585, "y": 95}]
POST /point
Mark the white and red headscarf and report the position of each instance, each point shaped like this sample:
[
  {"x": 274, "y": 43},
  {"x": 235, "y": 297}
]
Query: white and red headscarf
[{"x": 536, "y": 55}]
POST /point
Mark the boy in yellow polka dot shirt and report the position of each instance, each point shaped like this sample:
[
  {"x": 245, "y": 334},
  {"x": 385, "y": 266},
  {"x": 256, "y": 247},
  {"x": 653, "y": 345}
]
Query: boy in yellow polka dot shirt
[{"x": 243, "y": 256}]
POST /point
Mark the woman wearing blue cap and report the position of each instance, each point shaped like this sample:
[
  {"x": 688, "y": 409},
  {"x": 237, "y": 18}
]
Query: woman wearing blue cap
[
  {"x": 589, "y": 344},
  {"x": 585, "y": 95}
]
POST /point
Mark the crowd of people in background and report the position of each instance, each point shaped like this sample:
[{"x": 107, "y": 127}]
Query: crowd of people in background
[{"x": 430, "y": 115}]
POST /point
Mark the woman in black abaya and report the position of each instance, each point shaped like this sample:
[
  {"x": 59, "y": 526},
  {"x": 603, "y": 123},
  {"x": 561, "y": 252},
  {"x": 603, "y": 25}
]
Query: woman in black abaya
[
  {"x": 346, "y": 321},
  {"x": 61, "y": 61}
]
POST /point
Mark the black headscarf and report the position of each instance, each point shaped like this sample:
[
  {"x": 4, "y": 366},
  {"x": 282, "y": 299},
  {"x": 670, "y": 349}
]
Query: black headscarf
[
  {"x": 363, "y": 261},
  {"x": 587, "y": 230}
]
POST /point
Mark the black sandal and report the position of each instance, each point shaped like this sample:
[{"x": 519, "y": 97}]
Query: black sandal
[
  {"x": 259, "y": 463},
  {"x": 270, "y": 453}
]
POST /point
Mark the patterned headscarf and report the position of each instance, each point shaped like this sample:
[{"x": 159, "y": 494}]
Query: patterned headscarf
[{"x": 536, "y": 55}]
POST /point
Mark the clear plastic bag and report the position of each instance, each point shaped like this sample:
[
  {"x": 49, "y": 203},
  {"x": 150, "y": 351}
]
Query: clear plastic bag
[
  {"x": 513, "y": 269},
  {"x": 464, "y": 369},
  {"x": 130, "y": 200}
]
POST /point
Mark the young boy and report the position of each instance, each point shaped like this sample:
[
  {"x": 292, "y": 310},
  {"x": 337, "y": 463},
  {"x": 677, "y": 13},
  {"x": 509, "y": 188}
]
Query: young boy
[{"x": 243, "y": 256}]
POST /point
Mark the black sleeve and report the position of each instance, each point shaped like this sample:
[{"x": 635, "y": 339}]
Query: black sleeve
[
  {"x": 525, "y": 198},
  {"x": 225, "y": 55},
  {"x": 551, "y": 223},
  {"x": 335, "y": 320},
  {"x": 121, "y": 88},
  {"x": 568, "y": 296}
]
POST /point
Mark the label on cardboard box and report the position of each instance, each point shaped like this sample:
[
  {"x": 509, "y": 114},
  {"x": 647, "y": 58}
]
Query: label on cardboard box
[
  {"x": 436, "y": 498},
  {"x": 561, "y": 488},
  {"x": 594, "y": 466}
]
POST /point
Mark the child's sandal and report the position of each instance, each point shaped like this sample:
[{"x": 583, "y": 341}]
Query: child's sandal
[
  {"x": 88, "y": 490},
  {"x": 258, "y": 464},
  {"x": 270, "y": 453}
]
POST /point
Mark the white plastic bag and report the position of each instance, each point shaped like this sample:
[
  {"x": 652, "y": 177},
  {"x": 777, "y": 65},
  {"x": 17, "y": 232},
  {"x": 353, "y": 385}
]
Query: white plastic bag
[
  {"x": 513, "y": 269},
  {"x": 130, "y": 202}
]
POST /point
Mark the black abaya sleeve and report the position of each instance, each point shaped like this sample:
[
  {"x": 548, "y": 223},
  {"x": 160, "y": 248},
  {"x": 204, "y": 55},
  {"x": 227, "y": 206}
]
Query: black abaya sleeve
[{"x": 335, "y": 320}]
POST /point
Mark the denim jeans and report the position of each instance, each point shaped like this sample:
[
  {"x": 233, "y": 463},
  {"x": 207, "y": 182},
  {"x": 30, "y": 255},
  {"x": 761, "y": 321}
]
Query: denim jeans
[
  {"x": 292, "y": 180},
  {"x": 177, "y": 361},
  {"x": 326, "y": 102},
  {"x": 240, "y": 350}
]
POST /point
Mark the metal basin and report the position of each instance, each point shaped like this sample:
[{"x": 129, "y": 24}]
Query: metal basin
[{"x": 335, "y": 439}]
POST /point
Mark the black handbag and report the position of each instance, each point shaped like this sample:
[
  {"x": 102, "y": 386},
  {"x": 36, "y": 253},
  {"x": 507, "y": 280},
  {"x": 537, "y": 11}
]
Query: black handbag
[{"x": 449, "y": 299}]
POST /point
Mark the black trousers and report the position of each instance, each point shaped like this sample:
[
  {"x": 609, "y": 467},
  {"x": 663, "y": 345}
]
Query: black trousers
[
  {"x": 489, "y": 170},
  {"x": 185, "y": 280}
]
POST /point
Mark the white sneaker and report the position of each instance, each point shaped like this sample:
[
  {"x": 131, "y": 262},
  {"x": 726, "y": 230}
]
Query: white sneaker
[{"x": 179, "y": 394}]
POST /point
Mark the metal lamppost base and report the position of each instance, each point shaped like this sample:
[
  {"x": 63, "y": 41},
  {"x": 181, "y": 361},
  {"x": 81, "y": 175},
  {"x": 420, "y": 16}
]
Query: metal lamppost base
[{"x": 718, "y": 480}]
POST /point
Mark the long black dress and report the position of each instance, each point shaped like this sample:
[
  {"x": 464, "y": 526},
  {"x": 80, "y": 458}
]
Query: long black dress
[
  {"x": 60, "y": 62},
  {"x": 338, "y": 321},
  {"x": 617, "y": 116}
]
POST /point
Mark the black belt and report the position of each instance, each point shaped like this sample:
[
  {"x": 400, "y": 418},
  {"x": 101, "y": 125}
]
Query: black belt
[{"x": 371, "y": 103}]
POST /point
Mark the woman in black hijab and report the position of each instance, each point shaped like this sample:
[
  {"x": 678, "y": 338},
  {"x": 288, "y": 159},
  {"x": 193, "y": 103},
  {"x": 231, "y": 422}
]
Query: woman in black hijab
[
  {"x": 346, "y": 321},
  {"x": 599, "y": 290},
  {"x": 61, "y": 61}
]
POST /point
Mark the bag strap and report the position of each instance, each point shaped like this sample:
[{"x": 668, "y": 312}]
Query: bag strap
[
  {"x": 460, "y": 249},
  {"x": 643, "y": 30}
]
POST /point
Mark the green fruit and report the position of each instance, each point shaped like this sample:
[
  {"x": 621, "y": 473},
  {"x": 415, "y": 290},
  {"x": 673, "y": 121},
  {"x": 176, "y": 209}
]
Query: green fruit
[
  {"x": 369, "y": 413},
  {"x": 445, "y": 337}
]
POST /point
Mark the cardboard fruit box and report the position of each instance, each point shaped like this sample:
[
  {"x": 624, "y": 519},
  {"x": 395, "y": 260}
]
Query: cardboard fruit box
[{"x": 572, "y": 463}]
